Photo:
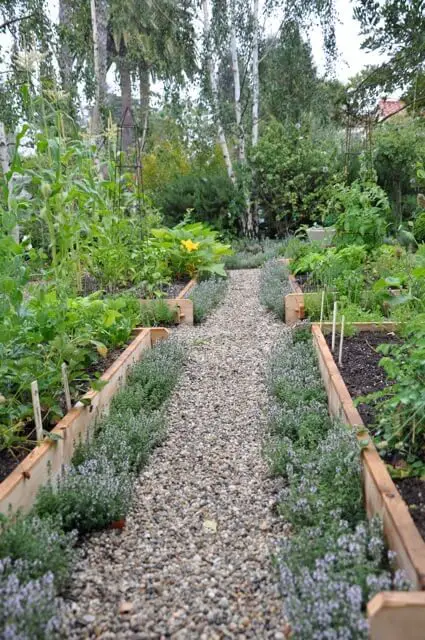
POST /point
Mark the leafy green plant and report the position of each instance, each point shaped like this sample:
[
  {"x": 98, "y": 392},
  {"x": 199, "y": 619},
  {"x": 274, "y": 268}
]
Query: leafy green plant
[
  {"x": 46, "y": 330},
  {"x": 40, "y": 545},
  {"x": 192, "y": 249},
  {"x": 364, "y": 209},
  {"x": 157, "y": 313},
  {"x": 88, "y": 497},
  {"x": 419, "y": 227},
  {"x": 401, "y": 406},
  {"x": 206, "y": 296}
]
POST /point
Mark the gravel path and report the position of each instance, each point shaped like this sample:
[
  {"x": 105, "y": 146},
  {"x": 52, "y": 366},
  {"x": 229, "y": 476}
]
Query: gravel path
[{"x": 194, "y": 561}]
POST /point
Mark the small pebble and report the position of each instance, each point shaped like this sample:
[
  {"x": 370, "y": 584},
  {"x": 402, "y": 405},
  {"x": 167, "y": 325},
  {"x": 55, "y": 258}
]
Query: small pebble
[{"x": 194, "y": 560}]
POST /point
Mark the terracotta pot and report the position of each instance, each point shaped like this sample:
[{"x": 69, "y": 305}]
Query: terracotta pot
[{"x": 117, "y": 524}]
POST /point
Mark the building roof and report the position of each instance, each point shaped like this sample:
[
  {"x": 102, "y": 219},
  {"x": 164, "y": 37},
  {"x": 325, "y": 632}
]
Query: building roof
[{"x": 389, "y": 107}]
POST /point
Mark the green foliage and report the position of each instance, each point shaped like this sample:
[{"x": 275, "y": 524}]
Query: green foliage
[
  {"x": 364, "y": 210},
  {"x": 294, "y": 167},
  {"x": 40, "y": 545},
  {"x": 46, "y": 330},
  {"x": 401, "y": 416},
  {"x": 398, "y": 147},
  {"x": 126, "y": 438},
  {"x": 88, "y": 497},
  {"x": 210, "y": 198},
  {"x": 251, "y": 255},
  {"x": 157, "y": 313},
  {"x": 419, "y": 227},
  {"x": 334, "y": 561},
  {"x": 274, "y": 285},
  {"x": 152, "y": 380},
  {"x": 97, "y": 489},
  {"x": 206, "y": 296},
  {"x": 192, "y": 249}
]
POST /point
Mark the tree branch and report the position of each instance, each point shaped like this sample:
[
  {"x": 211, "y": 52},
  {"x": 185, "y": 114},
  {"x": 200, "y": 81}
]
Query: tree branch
[{"x": 7, "y": 24}]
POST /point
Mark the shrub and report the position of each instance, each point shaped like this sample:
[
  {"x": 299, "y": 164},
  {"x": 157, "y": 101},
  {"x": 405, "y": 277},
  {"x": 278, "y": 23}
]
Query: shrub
[
  {"x": 334, "y": 562},
  {"x": 206, "y": 296},
  {"x": 329, "y": 573},
  {"x": 152, "y": 380},
  {"x": 41, "y": 546},
  {"x": 27, "y": 608},
  {"x": 125, "y": 438},
  {"x": 157, "y": 313},
  {"x": 245, "y": 260},
  {"x": 88, "y": 497},
  {"x": 210, "y": 198},
  {"x": 293, "y": 169},
  {"x": 274, "y": 285},
  {"x": 325, "y": 481},
  {"x": 192, "y": 249},
  {"x": 364, "y": 211},
  {"x": 419, "y": 227}
]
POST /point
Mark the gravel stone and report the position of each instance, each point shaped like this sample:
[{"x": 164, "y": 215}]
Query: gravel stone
[{"x": 194, "y": 559}]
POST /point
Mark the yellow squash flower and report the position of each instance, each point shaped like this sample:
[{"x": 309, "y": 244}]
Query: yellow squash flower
[{"x": 189, "y": 245}]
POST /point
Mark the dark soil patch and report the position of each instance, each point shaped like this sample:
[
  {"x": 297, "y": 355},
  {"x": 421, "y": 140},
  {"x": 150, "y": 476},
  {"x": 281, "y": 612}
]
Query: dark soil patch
[
  {"x": 360, "y": 366},
  {"x": 306, "y": 284},
  {"x": 362, "y": 375},
  {"x": 173, "y": 290},
  {"x": 413, "y": 493},
  {"x": 10, "y": 458}
]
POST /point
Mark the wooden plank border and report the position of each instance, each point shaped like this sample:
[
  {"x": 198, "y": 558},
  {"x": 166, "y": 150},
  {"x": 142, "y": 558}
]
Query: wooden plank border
[
  {"x": 183, "y": 306},
  {"x": 294, "y": 302},
  {"x": 395, "y": 614},
  {"x": 46, "y": 461}
]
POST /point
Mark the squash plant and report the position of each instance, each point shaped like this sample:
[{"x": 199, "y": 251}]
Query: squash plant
[{"x": 192, "y": 249}]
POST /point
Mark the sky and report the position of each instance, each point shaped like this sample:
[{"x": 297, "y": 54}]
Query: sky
[{"x": 351, "y": 58}]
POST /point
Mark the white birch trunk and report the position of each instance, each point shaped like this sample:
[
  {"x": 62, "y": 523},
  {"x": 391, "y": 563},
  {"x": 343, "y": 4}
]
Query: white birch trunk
[
  {"x": 99, "y": 19},
  {"x": 255, "y": 77},
  {"x": 214, "y": 90},
  {"x": 4, "y": 162},
  {"x": 237, "y": 93}
]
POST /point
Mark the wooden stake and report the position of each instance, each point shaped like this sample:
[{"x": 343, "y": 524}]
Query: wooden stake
[
  {"x": 37, "y": 410},
  {"x": 66, "y": 387},
  {"x": 341, "y": 340},
  {"x": 322, "y": 306},
  {"x": 334, "y": 325}
]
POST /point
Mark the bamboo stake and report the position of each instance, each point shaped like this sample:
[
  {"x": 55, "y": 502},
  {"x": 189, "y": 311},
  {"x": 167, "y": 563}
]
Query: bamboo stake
[
  {"x": 66, "y": 387},
  {"x": 37, "y": 410},
  {"x": 341, "y": 341},
  {"x": 334, "y": 325},
  {"x": 322, "y": 306}
]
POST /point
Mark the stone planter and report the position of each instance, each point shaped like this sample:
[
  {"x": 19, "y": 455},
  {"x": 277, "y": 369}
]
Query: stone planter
[{"x": 321, "y": 235}]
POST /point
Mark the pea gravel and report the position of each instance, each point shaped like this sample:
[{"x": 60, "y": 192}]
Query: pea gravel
[{"x": 194, "y": 561}]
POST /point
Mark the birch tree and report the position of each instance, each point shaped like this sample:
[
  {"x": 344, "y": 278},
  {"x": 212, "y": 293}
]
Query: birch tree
[
  {"x": 255, "y": 74},
  {"x": 212, "y": 73},
  {"x": 99, "y": 18}
]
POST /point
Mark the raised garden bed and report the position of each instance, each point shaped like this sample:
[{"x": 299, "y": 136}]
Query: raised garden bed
[
  {"x": 46, "y": 461},
  {"x": 180, "y": 303},
  {"x": 392, "y": 615},
  {"x": 294, "y": 302}
]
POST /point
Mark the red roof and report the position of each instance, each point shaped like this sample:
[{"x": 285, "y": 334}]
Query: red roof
[{"x": 389, "y": 107}]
